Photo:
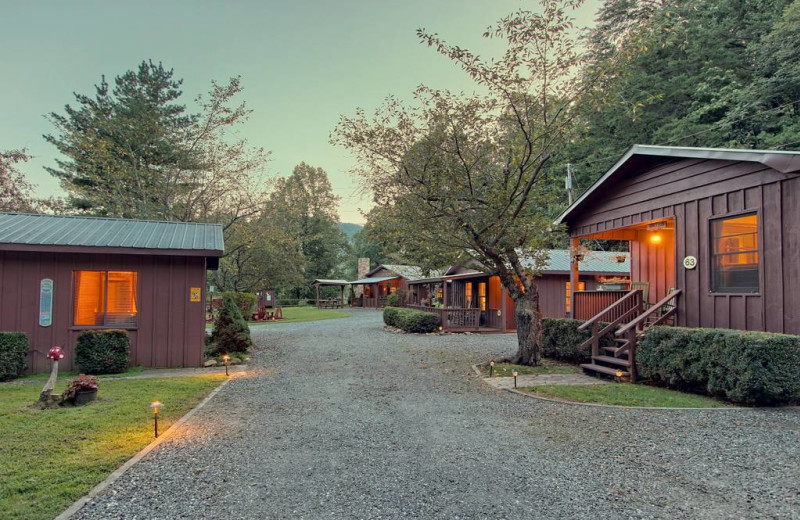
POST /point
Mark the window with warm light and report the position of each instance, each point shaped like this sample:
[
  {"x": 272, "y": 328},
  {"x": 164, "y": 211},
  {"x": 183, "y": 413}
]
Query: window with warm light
[
  {"x": 468, "y": 295},
  {"x": 568, "y": 301},
  {"x": 482, "y": 296},
  {"x": 734, "y": 254},
  {"x": 105, "y": 298}
]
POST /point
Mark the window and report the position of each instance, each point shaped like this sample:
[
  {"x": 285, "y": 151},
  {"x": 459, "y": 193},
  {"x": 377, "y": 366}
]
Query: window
[
  {"x": 105, "y": 298},
  {"x": 581, "y": 287},
  {"x": 482, "y": 296},
  {"x": 468, "y": 295},
  {"x": 734, "y": 254}
]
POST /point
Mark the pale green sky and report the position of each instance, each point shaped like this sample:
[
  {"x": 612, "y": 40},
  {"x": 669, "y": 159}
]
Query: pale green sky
[{"x": 302, "y": 63}]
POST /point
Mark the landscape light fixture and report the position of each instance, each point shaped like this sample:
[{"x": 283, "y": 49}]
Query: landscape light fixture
[
  {"x": 515, "y": 378},
  {"x": 155, "y": 405},
  {"x": 491, "y": 369},
  {"x": 619, "y": 374},
  {"x": 225, "y": 360}
]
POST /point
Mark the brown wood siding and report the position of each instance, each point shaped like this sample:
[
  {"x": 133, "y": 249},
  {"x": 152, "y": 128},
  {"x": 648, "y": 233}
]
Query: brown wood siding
[
  {"x": 692, "y": 192},
  {"x": 170, "y": 328}
]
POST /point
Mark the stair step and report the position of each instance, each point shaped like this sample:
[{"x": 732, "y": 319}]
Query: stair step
[
  {"x": 603, "y": 370},
  {"x": 612, "y": 360}
]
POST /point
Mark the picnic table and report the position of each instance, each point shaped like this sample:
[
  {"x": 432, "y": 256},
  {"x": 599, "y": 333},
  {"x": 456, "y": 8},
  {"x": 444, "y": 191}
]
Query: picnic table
[{"x": 329, "y": 304}]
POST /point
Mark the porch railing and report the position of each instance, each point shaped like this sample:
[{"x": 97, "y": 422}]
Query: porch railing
[
  {"x": 452, "y": 318},
  {"x": 589, "y": 304}
]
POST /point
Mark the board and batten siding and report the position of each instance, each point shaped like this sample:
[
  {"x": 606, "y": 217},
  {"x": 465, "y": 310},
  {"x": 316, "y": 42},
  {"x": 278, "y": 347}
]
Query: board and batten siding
[
  {"x": 692, "y": 192},
  {"x": 170, "y": 329}
]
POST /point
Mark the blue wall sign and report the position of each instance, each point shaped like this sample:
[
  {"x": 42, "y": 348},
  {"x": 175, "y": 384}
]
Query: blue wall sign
[{"x": 46, "y": 303}]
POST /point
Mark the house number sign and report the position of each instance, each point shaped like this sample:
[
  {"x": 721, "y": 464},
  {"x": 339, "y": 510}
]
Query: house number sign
[
  {"x": 690, "y": 262},
  {"x": 46, "y": 303}
]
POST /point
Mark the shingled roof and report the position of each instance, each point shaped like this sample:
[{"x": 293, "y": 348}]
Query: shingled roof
[{"x": 19, "y": 231}]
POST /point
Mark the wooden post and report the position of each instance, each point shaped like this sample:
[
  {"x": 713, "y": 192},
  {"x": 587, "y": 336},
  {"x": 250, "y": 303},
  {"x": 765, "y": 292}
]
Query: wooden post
[
  {"x": 342, "y": 287},
  {"x": 444, "y": 304},
  {"x": 317, "y": 288},
  {"x": 503, "y": 310},
  {"x": 574, "y": 274}
]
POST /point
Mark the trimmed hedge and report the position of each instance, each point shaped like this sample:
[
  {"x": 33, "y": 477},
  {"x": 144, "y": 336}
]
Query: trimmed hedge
[
  {"x": 13, "y": 354},
  {"x": 103, "y": 351},
  {"x": 742, "y": 367},
  {"x": 562, "y": 340},
  {"x": 411, "y": 320},
  {"x": 245, "y": 301}
]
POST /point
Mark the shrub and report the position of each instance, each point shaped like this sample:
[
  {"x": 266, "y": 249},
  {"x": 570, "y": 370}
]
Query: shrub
[
  {"x": 411, "y": 320},
  {"x": 231, "y": 333},
  {"x": 396, "y": 299},
  {"x": 102, "y": 351},
  {"x": 562, "y": 340},
  {"x": 742, "y": 367},
  {"x": 13, "y": 354},
  {"x": 246, "y": 302},
  {"x": 80, "y": 384}
]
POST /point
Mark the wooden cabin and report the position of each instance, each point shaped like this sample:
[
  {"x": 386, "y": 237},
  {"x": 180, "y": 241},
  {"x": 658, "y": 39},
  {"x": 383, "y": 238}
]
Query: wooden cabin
[
  {"x": 62, "y": 275},
  {"x": 382, "y": 281},
  {"x": 713, "y": 234},
  {"x": 468, "y": 299}
]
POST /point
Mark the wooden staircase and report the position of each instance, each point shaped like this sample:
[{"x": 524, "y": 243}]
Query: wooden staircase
[{"x": 624, "y": 321}]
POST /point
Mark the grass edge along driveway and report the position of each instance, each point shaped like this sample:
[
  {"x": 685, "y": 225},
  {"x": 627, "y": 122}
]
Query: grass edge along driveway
[{"x": 50, "y": 458}]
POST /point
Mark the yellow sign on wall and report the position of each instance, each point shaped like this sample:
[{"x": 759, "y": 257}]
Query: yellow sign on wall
[{"x": 195, "y": 294}]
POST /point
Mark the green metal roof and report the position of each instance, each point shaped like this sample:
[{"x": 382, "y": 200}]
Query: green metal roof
[
  {"x": 374, "y": 280},
  {"x": 73, "y": 231}
]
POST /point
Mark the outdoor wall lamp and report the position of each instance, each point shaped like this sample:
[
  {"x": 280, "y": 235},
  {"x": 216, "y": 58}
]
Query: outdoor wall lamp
[{"x": 655, "y": 238}]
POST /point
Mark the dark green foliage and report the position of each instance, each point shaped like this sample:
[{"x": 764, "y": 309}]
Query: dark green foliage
[
  {"x": 102, "y": 351},
  {"x": 13, "y": 354},
  {"x": 742, "y": 367},
  {"x": 562, "y": 340},
  {"x": 396, "y": 299},
  {"x": 246, "y": 302},
  {"x": 410, "y": 320},
  {"x": 231, "y": 333}
]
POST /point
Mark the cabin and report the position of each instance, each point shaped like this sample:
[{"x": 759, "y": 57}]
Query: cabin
[
  {"x": 382, "y": 281},
  {"x": 62, "y": 275},
  {"x": 714, "y": 241},
  {"x": 468, "y": 299}
]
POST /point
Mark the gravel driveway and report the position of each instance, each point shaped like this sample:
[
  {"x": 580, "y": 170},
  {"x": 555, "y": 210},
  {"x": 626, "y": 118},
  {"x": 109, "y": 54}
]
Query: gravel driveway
[{"x": 345, "y": 420}]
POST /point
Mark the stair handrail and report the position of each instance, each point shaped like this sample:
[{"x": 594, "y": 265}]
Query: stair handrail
[
  {"x": 649, "y": 312},
  {"x": 597, "y": 317}
]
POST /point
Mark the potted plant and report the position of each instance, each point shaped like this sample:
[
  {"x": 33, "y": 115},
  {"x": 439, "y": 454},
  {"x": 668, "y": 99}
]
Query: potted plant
[
  {"x": 621, "y": 258},
  {"x": 81, "y": 390},
  {"x": 579, "y": 253}
]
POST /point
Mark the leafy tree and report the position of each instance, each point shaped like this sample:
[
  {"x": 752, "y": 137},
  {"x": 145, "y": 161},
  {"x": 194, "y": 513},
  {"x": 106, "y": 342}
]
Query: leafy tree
[
  {"x": 16, "y": 193},
  {"x": 466, "y": 176},
  {"x": 304, "y": 205}
]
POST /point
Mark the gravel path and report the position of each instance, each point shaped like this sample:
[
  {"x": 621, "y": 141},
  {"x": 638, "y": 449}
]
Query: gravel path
[{"x": 345, "y": 420}]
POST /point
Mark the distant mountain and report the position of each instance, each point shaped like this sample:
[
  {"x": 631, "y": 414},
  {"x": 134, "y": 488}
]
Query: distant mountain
[{"x": 350, "y": 229}]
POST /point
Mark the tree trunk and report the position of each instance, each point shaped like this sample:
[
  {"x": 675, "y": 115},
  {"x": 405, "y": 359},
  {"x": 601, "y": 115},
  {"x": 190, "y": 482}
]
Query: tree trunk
[{"x": 529, "y": 327}]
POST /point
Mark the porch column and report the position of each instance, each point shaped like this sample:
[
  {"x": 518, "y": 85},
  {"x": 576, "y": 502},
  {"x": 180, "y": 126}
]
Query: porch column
[
  {"x": 317, "y": 290},
  {"x": 444, "y": 305},
  {"x": 574, "y": 274},
  {"x": 503, "y": 310},
  {"x": 342, "y": 287}
]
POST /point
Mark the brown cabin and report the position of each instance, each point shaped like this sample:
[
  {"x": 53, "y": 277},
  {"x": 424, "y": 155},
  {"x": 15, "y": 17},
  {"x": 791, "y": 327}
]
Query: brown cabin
[
  {"x": 713, "y": 234},
  {"x": 61, "y": 275},
  {"x": 382, "y": 281},
  {"x": 471, "y": 300}
]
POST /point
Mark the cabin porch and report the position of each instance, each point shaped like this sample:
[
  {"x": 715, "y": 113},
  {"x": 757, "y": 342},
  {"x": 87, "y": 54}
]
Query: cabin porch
[{"x": 375, "y": 291}]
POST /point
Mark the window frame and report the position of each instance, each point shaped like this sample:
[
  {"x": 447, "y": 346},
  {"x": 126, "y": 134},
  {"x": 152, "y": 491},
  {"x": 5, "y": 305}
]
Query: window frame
[
  {"x": 118, "y": 326},
  {"x": 712, "y": 255}
]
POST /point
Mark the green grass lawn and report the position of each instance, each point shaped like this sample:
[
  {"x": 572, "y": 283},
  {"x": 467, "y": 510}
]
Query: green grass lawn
[
  {"x": 627, "y": 395},
  {"x": 50, "y": 458},
  {"x": 298, "y": 314},
  {"x": 546, "y": 367}
]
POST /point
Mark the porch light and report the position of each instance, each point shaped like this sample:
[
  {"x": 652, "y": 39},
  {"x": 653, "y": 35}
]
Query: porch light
[
  {"x": 655, "y": 238},
  {"x": 155, "y": 405}
]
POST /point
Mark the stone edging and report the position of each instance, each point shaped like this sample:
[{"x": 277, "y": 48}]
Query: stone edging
[
  {"x": 479, "y": 373},
  {"x": 102, "y": 486}
]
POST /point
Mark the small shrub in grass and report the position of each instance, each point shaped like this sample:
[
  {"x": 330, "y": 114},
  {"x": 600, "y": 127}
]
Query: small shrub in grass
[
  {"x": 396, "y": 299},
  {"x": 231, "y": 333},
  {"x": 246, "y": 302},
  {"x": 562, "y": 340},
  {"x": 410, "y": 320},
  {"x": 742, "y": 367},
  {"x": 13, "y": 354},
  {"x": 103, "y": 351}
]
